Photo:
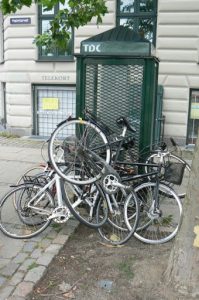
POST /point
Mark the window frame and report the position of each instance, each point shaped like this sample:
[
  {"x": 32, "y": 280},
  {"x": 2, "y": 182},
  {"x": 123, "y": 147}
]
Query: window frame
[
  {"x": 56, "y": 57},
  {"x": 1, "y": 38},
  {"x": 188, "y": 137},
  {"x": 137, "y": 14}
]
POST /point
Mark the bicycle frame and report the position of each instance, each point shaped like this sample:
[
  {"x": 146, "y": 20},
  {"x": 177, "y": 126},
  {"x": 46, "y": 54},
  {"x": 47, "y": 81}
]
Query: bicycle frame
[{"x": 39, "y": 196}]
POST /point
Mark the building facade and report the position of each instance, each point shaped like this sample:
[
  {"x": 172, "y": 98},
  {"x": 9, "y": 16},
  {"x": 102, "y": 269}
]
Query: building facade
[{"x": 32, "y": 80}]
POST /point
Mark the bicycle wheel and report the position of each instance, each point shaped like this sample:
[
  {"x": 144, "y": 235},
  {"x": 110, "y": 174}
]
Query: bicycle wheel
[
  {"x": 32, "y": 172},
  {"x": 70, "y": 151},
  {"x": 156, "y": 226},
  {"x": 83, "y": 201},
  {"x": 171, "y": 158},
  {"x": 23, "y": 221},
  {"x": 115, "y": 231}
]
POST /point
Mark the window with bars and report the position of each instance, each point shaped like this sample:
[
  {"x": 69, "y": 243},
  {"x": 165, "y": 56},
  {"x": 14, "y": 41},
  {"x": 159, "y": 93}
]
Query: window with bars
[
  {"x": 140, "y": 15},
  {"x": 44, "y": 19},
  {"x": 52, "y": 104}
]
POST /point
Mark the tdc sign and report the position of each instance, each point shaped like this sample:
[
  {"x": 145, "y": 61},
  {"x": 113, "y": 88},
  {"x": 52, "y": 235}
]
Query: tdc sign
[{"x": 92, "y": 48}]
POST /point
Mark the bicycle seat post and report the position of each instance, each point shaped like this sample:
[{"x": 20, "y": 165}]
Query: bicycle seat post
[
  {"x": 59, "y": 191},
  {"x": 124, "y": 130}
]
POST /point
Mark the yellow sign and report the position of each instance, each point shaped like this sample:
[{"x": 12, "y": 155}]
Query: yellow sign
[
  {"x": 50, "y": 103},
  {"x": 196, "y": 240},
  {"x": 194, "y": 110}
]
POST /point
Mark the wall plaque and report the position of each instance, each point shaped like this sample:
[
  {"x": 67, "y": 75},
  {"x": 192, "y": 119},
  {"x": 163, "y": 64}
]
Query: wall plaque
[{"x": 20, "y": 21}]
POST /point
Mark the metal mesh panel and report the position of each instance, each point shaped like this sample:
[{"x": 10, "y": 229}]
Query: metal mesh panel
[
  {"x": 47, "y": 119},
  {"x": 112, "y": 91}
]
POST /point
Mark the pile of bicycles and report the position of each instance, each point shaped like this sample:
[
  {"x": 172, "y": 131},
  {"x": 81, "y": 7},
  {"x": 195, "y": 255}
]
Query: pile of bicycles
[{"x": 85, "y": 178}]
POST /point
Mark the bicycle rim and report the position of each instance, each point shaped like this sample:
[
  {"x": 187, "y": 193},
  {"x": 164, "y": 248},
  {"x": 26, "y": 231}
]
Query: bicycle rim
[
  {"x": 115, "y": 231},
  {"x": 83, "y": 202},
  {"x": 157, "y": 228},
  {"x": 68, "y": 150},
  {"x": 34, "y": 172},
  {"x": 22, "y": 222},
  {"x": 179, "y": 189}
]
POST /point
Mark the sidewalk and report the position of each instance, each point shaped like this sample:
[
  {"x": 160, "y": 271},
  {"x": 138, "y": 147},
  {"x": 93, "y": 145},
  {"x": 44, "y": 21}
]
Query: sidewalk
[{"x": 24, "y": 262}]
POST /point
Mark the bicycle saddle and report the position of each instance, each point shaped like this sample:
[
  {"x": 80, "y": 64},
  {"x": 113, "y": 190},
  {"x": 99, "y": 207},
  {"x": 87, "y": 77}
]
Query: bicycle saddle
[{"x": 122, "y": 121}]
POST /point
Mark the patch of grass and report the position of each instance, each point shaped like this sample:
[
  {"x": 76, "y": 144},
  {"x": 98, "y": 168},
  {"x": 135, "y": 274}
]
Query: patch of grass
[
  {"x": 125, "y": 267},
  {"x": 32, "y": 266},
  {"x": 8, "y": 135}
]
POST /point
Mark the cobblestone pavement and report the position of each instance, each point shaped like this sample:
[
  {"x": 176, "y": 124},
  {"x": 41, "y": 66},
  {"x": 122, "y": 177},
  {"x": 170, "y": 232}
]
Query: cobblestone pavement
[{"x": 24, "y": 262}]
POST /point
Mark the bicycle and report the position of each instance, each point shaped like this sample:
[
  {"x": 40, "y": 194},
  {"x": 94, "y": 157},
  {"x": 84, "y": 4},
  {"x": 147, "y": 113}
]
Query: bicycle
[
  {"x": 72, "y": 136},
  {"x": 157, "y": 213},
  {"x": 38, "y": 201},
  {"x": 175, "y": 171},
  {"x": 160, "y": 213},
  {"x": 66, "y": 153},
  {"x": 93, "y": 165},
  {"x": 79, "y": 200}
]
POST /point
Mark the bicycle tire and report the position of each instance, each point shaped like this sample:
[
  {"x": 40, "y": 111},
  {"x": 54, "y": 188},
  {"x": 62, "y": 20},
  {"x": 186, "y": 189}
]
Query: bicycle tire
[
  {"x": 23, "y": 222},
  {"x": 83, "y": 201},
  {"x": 180, "y": 189},
  {"x": 34, "y": 171},
  {"x": 69, "y": 148},
  {"x": 115, "y": 231},
  {"x": 162, "y": 227}
]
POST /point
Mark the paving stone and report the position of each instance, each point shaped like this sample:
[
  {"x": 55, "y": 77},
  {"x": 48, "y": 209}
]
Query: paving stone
[
  {"x": 70, "y": 227},
  {"x": 45, "y": 259},
  {"x": 23, "y": 289},
  {"x": 3, "y": 262},
  {"x": 73, "y": 222},
  {"x": 10, "y": 247},
  {"x": 61, "y": 239},
  {"x": 35, "y": 274},
  {"x": 17, "y": 278},
  {"x": 54, "y": 248},
  {"x": 44, "y": 243},
  {"x": 15, "y": 298},
  {"x": 42, "y": 235},
  {"x": 36, "y": 253},
  {"x": 20, "y": 258},
  {"x": 6, "y": 292},
  {"x": 26, "y": 264},
  {"x": 52, "y": 234},
  {"x": 2, "y": 280},
  {"x": 47, "y": 230},
  {"x": 29, "y": 247},
  {"x": 9, "y": 269}
]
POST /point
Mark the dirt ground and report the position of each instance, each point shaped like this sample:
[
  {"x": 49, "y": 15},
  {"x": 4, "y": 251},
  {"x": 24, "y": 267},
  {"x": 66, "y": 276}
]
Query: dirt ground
[{"x": 86, "y": 269}]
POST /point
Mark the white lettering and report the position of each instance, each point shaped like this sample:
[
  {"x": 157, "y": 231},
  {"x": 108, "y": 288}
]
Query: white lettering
[
  {"x": 92, "y": 48},
  {"x": 86, "y": 47},
  {"x": 54, "y": 77},
  {"x": 98, "y": 48}
]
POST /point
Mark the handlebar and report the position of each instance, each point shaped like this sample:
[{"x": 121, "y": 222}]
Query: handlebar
[
  {"x": 174, "y": 144},
  {"x": 121, "y": 122}
]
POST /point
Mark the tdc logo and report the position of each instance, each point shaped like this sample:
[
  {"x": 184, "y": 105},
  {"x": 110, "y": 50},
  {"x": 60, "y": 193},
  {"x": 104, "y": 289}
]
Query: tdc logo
[{"x": 92, "y": 48}]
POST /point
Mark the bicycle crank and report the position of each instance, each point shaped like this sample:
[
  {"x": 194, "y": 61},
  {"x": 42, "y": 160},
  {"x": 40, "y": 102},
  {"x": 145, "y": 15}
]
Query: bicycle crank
[
  {"x": 110, "y": 183},
  {"x": 60, "y": 214}
]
